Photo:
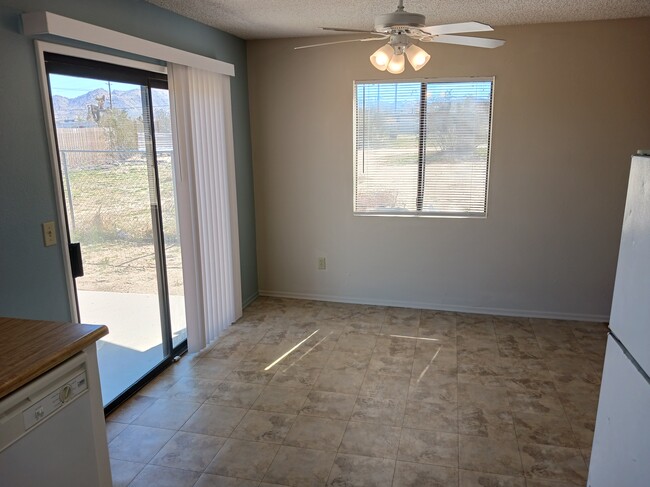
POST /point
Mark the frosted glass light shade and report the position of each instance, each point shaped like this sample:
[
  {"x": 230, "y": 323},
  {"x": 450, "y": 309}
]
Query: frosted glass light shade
[
  {"x": 396, "y": 64},
  {"x": 417, "y": 56},
  {"x": 381, "y": 57}
]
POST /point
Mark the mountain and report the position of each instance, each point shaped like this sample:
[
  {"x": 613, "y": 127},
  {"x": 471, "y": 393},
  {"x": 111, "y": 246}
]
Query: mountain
[{"x": 67, "y": 110}]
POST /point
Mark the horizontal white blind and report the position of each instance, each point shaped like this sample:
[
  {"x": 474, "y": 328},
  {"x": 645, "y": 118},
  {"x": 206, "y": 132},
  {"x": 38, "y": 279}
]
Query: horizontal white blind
[{"x": 422, "y": 147}]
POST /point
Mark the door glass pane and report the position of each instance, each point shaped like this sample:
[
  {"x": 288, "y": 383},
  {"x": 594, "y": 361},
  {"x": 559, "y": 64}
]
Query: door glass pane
[
  {"x": 164, "y": 152},
  {"x": 105, "y": 177}
]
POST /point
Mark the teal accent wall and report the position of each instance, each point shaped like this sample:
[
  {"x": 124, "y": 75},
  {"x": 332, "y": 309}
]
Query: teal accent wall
[{"x": 32, "y": 277}]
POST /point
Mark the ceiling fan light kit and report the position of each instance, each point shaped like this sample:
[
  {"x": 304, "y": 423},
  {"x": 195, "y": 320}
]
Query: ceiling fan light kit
[
  {"x": 402, "y": 28},
  {"x": 381, "y": 57}
]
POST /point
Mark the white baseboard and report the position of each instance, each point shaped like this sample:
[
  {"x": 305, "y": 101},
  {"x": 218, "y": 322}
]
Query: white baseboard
[{"x": 525, "y": 313}]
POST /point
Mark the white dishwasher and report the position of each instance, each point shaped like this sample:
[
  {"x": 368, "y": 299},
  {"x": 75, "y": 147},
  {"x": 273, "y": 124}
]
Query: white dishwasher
[{"x": 46, "y": 431}]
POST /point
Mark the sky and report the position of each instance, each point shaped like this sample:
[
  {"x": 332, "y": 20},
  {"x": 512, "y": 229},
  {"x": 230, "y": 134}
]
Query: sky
[{"x": 73, "y": 86}]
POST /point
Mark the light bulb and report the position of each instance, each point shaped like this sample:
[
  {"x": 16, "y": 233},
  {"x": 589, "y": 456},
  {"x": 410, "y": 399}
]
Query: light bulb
[
  {"x": 417, "y": 56},
  {"x": 381, "y": 57},
  {"x": 396, "y": 64}
]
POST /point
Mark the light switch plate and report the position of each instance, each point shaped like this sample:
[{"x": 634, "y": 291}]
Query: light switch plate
[{"x": 49, "y": 234}]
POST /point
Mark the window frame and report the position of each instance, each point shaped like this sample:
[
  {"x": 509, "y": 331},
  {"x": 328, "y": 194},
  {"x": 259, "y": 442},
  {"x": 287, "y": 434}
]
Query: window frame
[{"x": 420, "y": 213}]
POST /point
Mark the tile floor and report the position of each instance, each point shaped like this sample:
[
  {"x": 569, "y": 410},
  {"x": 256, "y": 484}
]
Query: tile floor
[{"x": 368, "y": 396}]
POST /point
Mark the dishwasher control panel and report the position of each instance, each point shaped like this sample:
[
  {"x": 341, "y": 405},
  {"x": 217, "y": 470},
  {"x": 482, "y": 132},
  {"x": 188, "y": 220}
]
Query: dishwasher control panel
[{"x": 54, "y": 400}]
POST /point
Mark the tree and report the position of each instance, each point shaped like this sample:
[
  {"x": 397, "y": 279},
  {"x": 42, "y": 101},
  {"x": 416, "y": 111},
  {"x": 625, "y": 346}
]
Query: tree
[{"x": 121, "y": 131}]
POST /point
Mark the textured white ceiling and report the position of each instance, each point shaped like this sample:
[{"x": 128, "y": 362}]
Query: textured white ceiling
[{"x": 266, "y": 19}]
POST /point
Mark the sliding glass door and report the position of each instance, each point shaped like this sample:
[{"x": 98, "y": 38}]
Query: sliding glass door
[{"x": 113, "y": 135}]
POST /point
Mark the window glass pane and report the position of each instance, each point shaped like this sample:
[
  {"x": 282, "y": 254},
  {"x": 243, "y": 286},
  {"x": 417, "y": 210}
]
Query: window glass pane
[
  {"x": 387, "y": 146},
  {"x": 457, "y": 141},
  {"x": 166, "y": 177},
  {"x": 422, "y": 147}
]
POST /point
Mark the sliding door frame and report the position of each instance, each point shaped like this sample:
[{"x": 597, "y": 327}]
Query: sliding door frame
[{"x": 170, "y": 352}]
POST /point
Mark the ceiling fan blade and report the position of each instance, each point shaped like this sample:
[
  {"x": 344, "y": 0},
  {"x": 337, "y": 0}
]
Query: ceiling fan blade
[
  {"x": 467, "y": 41},
  {"x": 340, "y": 42},
  {"x": 456, "y": 28},
  {"x": 340, "y": 29}
]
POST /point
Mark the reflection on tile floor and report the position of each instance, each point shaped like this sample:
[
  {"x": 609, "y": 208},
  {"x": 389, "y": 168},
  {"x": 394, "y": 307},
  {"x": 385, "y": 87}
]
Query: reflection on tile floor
[{"x": 372, "y": 396}]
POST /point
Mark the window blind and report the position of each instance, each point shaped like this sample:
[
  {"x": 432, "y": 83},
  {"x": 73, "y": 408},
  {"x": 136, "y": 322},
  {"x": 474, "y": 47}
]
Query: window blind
[{"x": 422, "y": 147}]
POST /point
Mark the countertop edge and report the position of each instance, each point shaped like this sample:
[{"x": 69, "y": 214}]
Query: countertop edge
[{"x": 49, "y": 361}]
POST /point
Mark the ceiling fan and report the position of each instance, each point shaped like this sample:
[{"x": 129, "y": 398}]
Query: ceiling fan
[{"x": 403, "y": 29}]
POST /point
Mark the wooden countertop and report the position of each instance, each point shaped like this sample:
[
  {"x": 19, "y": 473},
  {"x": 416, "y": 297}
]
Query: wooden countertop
[{"x": 29, "y": 348}]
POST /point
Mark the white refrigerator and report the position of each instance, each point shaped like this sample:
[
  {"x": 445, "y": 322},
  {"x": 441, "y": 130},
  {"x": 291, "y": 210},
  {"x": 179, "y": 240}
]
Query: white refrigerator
[{"x": 620, "y": 454}]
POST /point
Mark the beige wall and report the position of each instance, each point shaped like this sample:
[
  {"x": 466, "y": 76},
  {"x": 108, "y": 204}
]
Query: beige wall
[{"x": 571, "y": 104}]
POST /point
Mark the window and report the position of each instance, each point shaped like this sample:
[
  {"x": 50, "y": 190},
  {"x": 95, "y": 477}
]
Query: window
[{"x": 422, "y": 148}]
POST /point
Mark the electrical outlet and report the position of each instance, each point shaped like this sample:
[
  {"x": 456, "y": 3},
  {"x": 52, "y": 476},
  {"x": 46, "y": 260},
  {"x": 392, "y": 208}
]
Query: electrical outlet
[
  {"x": 322, "y": 263},
  {"x": 49, "y": 234}
]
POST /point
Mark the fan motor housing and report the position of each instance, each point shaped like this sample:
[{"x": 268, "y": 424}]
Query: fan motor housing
[{"x": 398, "y": 20}]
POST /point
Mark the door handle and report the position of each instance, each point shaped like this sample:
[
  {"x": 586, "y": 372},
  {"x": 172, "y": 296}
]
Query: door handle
[{"x": 76, "y": 263}]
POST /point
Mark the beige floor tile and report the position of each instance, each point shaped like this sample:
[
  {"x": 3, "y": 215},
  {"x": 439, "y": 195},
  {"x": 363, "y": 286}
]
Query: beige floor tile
[
  {"x": 544, "y": 429},
  {"x": 547, "y": 483},
  {"x": 235, "y": 394},
  {"x": 191, "y": 389},
  {"x": 212, "y": 368},
  {"x": 432, "y": 369},
  {"x": 351, "y": 342},
  {"x": 436, "y": 448},
  {"x": 243, "y": 459},
  {"x": 396, "y": 344},
  {"x": 281, "y": 400},
  {"x": 215, "y": 420},
  {"x": 138, "y": 443},
  {"x": 265, "y": 353},
  {"x": 432, "y": 390},
  {"x": 359, "y": 471},
  {"x": 535, "y": 402},
  {"x": 165, "y": 413},
  {"x": 131, "y": 409},
  {"x": 371, "y": 440},
  {"x": 264, "y": 426},
  {"x": 441, "y": 374},
  {"x": 124, "y": 472},
  {"x": 209, "y": 480},
  {"x": 312, "y": 359},
  {"x": 438, "y": 416},
  {"x": 384, "y": 386},
  {"x": 159, "y": 386},
  {"x": 113, "y": 429},
  {"x": 316, "y": 433},
  {"x": 379, "y": 410},
  {"x": 478, "y": 421},
  {"x": 473, "y": 479},
  {"x": 329, "y": 405},
  {"x": 389, "y": 365},
  {"x": 586, "y": 454},
  {"x": 490, "y": 455},
  {"x": 585, "y": 381},
  {"x": 295, "y": 377},
  {"x": 300, "y": 467},
  {"x": 360, "y": 327},
  {"x": 164, "y": 477},
  {"x": 545, "y": 462},
  {"x": 189, "y": 451},
  {"x": 250, "y": 372},
  {"x": 519, "y": 384},
  {"x": 346, "y": 382},
  {"x": 235, "y": 351},
  {"x": 493, "y": 399},
  {"x": 399, "y": 330},
  {"x": 352, "y": 360},
  {"x": 420, "y": 475}
]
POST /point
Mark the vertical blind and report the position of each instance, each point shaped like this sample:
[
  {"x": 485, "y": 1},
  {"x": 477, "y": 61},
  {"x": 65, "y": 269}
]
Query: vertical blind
[
  {"x": 202, "y": 126},
  {"x": 422, "y": 147}
]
